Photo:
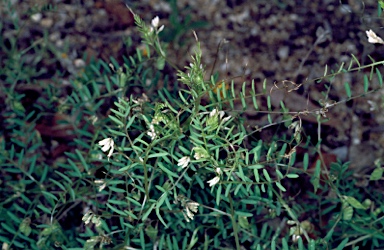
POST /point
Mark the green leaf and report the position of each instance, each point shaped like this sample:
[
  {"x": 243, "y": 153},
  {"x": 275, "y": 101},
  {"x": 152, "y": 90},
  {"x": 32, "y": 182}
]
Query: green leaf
[
  {"x": 218, "y": 194},
  {"x": 82, "y": 160},
  {"x": 45, "y": 209},
  {"x": 116, "y": 210},
  {"x": 117, "y": 113},
  {"x": 117, "y": 121},
  {"x": 66, "y": 178},
  {"x": 273, "y": 244},
  {"x": 149, "y": 210},
  {"x": 347, "y": 89},
  {"x": 377, "y": 174},
  {"x": 158, "y": 205},
  {"x": 315, "y": 180},
  {"x": 49, "y": 195},
  {"x": 285, "y": 244},
  {"x": 353, "y": 202},
  {"x": 117, "y": 190},
  {"x": 269, "y": 105},
  {"x": 342, "y": 244},
  {"x": 166, "y": 170},
  {"x": 160, "y": 63},
  {"x": 8, "y": 228},
  {"x": 292, "y": 176},
  {"x": 115, "y": 132},
  {"x": 347, "y": 213},
  {"x": 25, "y": 227},
  {"x": 243, "y": 222},
  {"x": 45, "y": 173},
  {"x": 266, "y": 175},
  {"x": 380, "y": 77},
  {"x": 76, "y": 172},
  {"x": 243, "y": 214},
  {"x": 57, "y": 183},
  {"x": 156, "y": 155},
  {"x": 366, "y": 83},
  {"x": 329, "y": 234},
  {"x": 278, "y": 184}
]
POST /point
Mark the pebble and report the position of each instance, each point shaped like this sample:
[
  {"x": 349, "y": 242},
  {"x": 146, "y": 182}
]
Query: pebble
[
  {"x": 46, "y": 22},
  {"x": 283, "y": 52}
]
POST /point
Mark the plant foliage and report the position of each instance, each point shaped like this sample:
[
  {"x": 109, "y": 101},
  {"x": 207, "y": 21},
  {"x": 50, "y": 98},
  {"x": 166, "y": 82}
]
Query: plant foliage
[{"x": 181, "y": 169}]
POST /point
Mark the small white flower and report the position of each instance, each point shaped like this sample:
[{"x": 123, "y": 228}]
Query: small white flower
[
  {"x": 188, "y": 215},
  {"x": 372, "y": 105},
  {"x": 79, "y": 63},
  {"x": 218, "y": 171},
  {"x": 213, "y": 113},
  {"x": 198, "y": 156},
  {"x": 101, "y": 185},
  {"x": 226, "y": 119},
  {"x": 107, "y": 144},
  {"x": 155, "y": 22},
  {"x": 214, "y": 181},
  {"x": 295, "y": 238},
  {"x": 190, "y": 208},
  {"x": 373, "y": 38},
  {"x": 36, "y": 17},
  {"x": 87, "y": 217},
  {"x": 193, "y": 206},
  {"x": 200, "y": 153},
  {"x": 152, "y": 135},
  {"x": 151, "y": 132},
  {"x": 183, "y": 162}
]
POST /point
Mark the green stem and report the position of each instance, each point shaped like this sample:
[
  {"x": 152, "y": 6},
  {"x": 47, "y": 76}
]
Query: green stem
[{"x": 234, "y": 224}]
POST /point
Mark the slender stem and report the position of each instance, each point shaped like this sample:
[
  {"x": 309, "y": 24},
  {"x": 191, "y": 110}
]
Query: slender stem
[{"x": 234, "y": 224}]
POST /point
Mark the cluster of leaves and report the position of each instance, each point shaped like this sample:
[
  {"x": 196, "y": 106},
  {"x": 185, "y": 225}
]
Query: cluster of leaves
[{"x": 182, "y": 171}]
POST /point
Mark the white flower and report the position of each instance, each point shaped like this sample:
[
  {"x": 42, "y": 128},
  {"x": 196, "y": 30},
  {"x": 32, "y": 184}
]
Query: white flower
[
  {"x": 220, "y": 114},
  {"x": 183, "y": 162},
  {"x": 190, "y": 208},
  {"x": 101, "y": 184},
  {"x": 372, "y": 105},
  {"x": 213, "y": 113},
  {"x": 226, "y": 119},
  {"x": 373, "y": 38},
  {"x": 151, "y": 132},
  {"x": 36, "y": 17},
  {"x": 218, "y": 171},
  {"x": 87, "y": 217},
  {"x": 193, "y": 206},
  {"x": 214, "y": 181},
  {"x": 155, "y": 24},
  {"x": 216, "y": 112},
  {"x": 188, "y": 215},
  {"x": 200, "y": 153},
  {"x": 107, "y": 144},
  {"x": 295, "y": 238}
]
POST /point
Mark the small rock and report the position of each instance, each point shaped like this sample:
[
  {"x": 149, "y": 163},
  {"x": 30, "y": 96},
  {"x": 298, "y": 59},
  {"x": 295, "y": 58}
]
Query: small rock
[
  {"x": 36, "y": 17},
  {"x": 283, "y": 52},
  {"x": 79, "y": 63},
  {"x": 46, "y": 22}
]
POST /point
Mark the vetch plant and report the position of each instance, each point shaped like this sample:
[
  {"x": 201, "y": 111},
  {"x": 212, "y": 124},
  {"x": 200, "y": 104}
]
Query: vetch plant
[{"x": 181, "y": 169}]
